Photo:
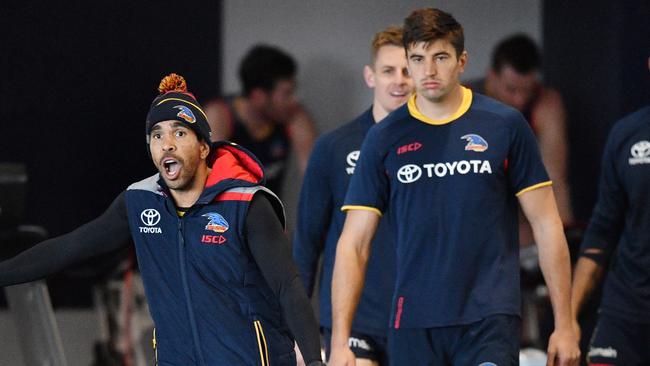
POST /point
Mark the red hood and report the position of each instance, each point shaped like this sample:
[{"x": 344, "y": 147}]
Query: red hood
[{"x": 230, "y": 161}]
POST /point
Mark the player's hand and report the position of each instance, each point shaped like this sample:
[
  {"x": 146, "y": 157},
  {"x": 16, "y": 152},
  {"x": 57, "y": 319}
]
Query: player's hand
[
  {"x": 563, "y": 349},
  {"x": 342, "y": 356}
]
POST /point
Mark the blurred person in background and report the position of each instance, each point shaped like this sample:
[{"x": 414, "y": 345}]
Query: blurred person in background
[
  {"x": 266, "y": 118},
  {"x": 514, "y": 78},
  {"x": 618, "y": 239},
  {"x": 320, "y": 219}
]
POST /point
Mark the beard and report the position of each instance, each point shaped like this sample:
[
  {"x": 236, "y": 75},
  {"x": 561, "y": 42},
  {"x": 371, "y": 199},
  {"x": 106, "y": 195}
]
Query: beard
[{"x": 186, "y": 176}]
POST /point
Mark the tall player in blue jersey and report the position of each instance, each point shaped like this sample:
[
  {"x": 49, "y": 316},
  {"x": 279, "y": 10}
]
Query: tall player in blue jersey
[
  {"x": 620, "y": 229},
  {"x": 451, "y": 166},
  {"x": 320, "y": 220}
]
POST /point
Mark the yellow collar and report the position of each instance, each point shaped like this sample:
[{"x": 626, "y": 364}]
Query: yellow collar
[{"x": 464, "y": 106}]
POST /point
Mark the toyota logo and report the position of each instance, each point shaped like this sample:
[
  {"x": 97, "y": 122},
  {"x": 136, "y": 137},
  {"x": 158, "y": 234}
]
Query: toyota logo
[
  {"x": 641, "y": 149},
  {"x": 352, "y": 158},
  {"x": 150, "y": 217},
  {"x": 409, "y": 173}
]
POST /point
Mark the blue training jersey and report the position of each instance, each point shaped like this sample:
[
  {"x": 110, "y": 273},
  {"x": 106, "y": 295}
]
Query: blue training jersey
[
  {"x": 620, "y": 224},
  {"x": 451, "y": 186},
  {"x": 320, "y": 222}
]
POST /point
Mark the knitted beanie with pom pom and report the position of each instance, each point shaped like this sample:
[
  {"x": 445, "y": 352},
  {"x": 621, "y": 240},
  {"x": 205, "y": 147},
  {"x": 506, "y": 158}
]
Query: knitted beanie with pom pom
[{"x": 177, "y": 104}]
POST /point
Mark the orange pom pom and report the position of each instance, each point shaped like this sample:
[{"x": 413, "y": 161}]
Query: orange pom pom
[{"x": 172, "y": 82}]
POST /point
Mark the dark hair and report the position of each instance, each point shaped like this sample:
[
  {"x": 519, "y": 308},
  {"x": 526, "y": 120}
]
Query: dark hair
[
  {"x": 517, "y": 51},
  {"x": 263, "y": 66},
  {"x": 429, "y": 25}
]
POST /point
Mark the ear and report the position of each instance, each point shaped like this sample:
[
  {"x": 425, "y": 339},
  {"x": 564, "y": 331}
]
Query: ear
[
  {"x": 205, "y": 150},
  {"x": 462, "y": 61},
  {"x": 491, "y": 75},
  {"x": 369, "y": 76}
]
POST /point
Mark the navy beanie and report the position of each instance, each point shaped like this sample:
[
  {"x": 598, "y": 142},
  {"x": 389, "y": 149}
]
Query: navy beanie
[{"x": 176, "y": 103}]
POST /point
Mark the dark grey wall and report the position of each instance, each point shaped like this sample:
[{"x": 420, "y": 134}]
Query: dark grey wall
[
  {"x": 596, "y": 54},
  {"x": 331, "y": 41}
]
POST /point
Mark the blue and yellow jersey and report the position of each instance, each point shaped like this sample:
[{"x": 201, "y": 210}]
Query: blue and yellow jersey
[
  {"x": 451, "y": 186},
  {"x": 320, "y": 222},
  {"x": 620, "y": 224}
]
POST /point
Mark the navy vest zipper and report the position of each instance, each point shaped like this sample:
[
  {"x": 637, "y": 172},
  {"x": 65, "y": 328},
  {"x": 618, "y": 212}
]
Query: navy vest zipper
[{"x": 186, "y": 289}]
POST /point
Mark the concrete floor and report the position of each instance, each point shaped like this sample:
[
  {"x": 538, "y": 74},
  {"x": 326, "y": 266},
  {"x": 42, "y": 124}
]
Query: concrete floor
[{"x": 78, "y": 330}]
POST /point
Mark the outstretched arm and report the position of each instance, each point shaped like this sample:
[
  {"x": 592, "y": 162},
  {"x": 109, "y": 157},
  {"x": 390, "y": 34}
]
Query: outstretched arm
[
  {"x": 108, "y": 232},
  {"x": 541, "y": 211},
  {"x": 352, "y": 252},
  {"x": 270, "y": 249}
]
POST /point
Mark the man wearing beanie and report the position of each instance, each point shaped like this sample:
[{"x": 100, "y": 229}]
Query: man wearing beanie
[{"x": 210, "y": 244}]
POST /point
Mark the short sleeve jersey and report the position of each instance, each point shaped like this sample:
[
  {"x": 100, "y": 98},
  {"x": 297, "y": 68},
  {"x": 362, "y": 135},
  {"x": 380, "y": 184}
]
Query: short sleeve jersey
[
  {"x": 320, "y": 223},
  {"x": 451, "y": 186},
  {"x": 620, "y": 224}
]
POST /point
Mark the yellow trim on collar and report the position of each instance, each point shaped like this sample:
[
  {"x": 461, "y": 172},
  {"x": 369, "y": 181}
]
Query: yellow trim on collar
[
  {"x": 184, "y": 101},
  {"x": 363, "y": 208},
  {"x": 464, "y": 106},
  {"x": 533, "y": 187}
]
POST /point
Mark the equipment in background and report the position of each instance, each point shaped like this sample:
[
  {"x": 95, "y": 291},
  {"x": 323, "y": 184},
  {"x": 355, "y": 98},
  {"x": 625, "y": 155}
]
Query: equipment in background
[{"x": 13, "y": 181}]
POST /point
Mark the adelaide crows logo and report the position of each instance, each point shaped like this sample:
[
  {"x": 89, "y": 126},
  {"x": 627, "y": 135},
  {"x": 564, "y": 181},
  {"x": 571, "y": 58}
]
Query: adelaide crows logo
[
  {"x": 475, "y": 143},
  {"x": 185, "y": 113},
  {"x": 217, "y": 223}
]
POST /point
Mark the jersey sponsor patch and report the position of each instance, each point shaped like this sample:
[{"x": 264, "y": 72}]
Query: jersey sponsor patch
[
  {"x": 475, "y": 143},
  {"x": 213, "y": 239},
  {"x": 150, "y": 218},
  {"x": 414, "y": 146},
  {"x": 216, "y": 222},
  {"x": 185, "y": 113},
  {"x": 640, "y": 153},
  {"x": 410, "y": 173},
  {"x": 351, "y": 159}
]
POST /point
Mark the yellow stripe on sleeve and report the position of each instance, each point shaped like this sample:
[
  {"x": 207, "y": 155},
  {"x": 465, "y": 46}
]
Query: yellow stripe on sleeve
[
  {"x": 533, "y": 187},
  {"x": 364, "y": 208},
  {"x": 266, "y": 348},
  {"x": 259, "y": 342}
]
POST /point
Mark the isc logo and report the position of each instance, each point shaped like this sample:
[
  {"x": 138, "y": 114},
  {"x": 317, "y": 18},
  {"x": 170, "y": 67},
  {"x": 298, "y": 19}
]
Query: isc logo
[
  {"x": 415, "y": 146},
  {"x": 213, "y": 239}
]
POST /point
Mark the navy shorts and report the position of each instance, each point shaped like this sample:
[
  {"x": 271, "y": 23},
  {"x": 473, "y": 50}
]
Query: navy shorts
[
  {"x": 619, "y": 342},
  {"x": 488, "y": 342},
  {"x": 367, "y": 346}
]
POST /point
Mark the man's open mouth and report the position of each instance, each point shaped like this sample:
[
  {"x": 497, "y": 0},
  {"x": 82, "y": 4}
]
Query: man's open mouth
[{"x": 171, "y": 167}]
